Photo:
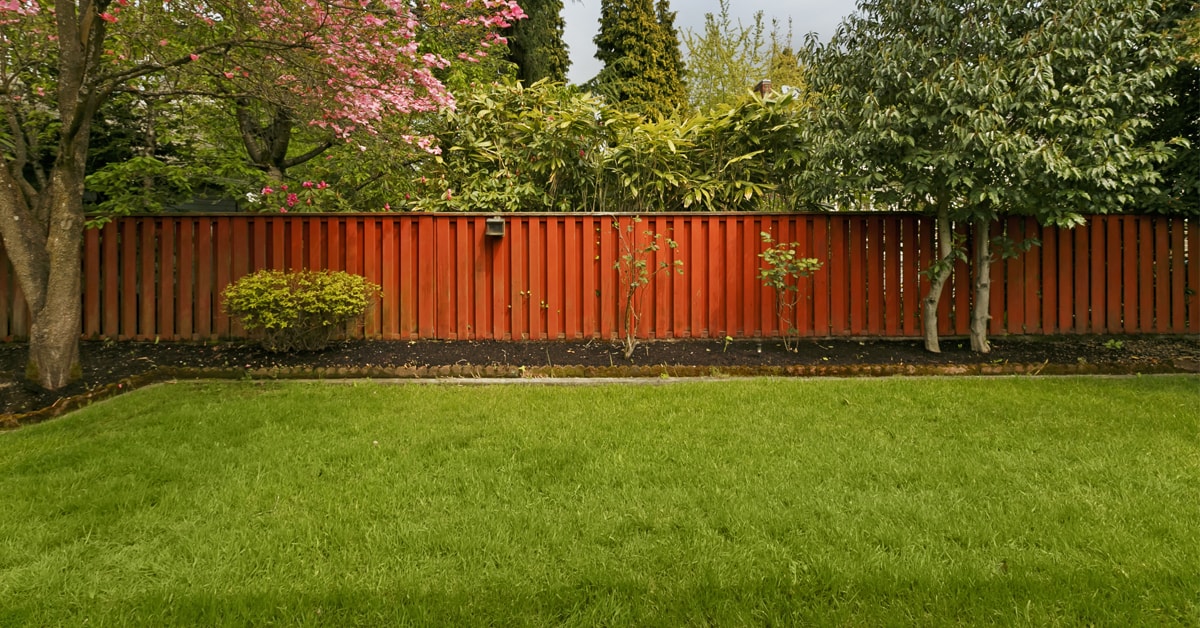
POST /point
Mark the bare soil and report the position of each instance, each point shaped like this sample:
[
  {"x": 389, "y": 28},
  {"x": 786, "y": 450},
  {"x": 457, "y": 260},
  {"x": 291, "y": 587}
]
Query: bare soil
[{"x": 112, "y": 367}]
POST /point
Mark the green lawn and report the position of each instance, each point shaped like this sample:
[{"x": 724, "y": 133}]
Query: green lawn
[{"x": 1031, "y": 501}]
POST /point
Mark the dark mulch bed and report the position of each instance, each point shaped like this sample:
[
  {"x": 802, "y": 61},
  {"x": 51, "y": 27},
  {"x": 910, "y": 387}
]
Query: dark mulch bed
[{"x": 106, "y": 363}]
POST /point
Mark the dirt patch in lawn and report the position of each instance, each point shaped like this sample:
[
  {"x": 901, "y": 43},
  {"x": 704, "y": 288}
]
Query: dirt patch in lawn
[{"x": 111, "y": 367}]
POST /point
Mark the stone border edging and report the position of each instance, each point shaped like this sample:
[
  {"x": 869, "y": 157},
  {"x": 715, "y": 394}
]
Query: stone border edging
[{"x": 497, "y": 372}]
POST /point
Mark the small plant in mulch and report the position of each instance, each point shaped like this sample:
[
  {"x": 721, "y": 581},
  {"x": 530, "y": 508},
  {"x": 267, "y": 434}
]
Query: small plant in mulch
[
  {"x": 299, "y": 310},
  {"x": 634, "y": 271},
  {"x": 782, "y": 273}
]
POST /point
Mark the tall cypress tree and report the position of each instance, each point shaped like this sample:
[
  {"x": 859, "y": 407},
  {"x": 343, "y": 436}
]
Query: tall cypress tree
[
  {"x": 642, "y": 63},
  {"x": 535, "y": 44},
  {"x": 674, "y": 90}
]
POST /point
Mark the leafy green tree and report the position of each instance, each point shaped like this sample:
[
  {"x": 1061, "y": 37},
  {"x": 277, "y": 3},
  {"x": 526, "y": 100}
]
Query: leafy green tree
[
  {"x": 725, "y": 60},
  {"x": 973, "y": 110},
  {"x": 640, "y": 51},
  {"x": 1180, "y": 189},
  {"x": 536, "y": 44}
]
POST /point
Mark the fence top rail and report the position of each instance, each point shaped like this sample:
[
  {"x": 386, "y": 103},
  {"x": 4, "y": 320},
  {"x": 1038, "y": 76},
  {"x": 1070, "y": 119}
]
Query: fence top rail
[{"x": 679, "y": 214}]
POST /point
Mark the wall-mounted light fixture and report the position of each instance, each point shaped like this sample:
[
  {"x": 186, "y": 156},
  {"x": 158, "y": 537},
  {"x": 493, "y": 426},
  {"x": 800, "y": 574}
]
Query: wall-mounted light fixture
[{"x": 494, "y": 227}]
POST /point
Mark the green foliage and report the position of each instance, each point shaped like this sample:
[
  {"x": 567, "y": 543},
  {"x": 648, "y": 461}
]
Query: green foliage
[
  {"x": 513, "y": 148},
  {"x": 1178, "y": 122},
  {"x": 136, "y": 186},
  {"x": 639, "y": 47},
  {"x": 300, "y": 310},
  {"x": 535, "y": 44},
  {"x": 981, "y": 109},
  {"x": 727, "y": 59},
  {"x": 548, "y": 147},
  {"x": 782, "y": 273},
  {"x": 634, "y": 270}
]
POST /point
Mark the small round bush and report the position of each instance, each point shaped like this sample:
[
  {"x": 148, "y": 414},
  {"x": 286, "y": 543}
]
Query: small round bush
[{"x": 299, "y": 310}]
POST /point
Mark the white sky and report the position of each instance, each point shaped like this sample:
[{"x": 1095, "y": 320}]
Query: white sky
[{"x": 583, "y": 20}]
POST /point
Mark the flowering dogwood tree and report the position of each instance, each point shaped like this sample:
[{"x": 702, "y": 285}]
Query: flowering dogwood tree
[{"x": 60, "y": 60}]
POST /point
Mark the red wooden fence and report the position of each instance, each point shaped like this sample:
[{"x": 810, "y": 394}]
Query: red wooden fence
[{"x": 552, "y": 276}]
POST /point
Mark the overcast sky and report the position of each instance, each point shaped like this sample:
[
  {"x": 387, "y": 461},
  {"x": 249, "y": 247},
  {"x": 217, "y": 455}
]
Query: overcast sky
[{"x": 583, "y": 20}]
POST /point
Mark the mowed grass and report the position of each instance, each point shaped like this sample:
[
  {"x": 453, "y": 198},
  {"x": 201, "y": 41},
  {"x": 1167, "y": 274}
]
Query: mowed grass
[{"x": 865, "y": 502}]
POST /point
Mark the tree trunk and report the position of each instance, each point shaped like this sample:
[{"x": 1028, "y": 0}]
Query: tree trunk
[
  {"x": 46, "y": 257},
  {"x": 980, "y": 315},
  {"x": 937, "y": 282}
]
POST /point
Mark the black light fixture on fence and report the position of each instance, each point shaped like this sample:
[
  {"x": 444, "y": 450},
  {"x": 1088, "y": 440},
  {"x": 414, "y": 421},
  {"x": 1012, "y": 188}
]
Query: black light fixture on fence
[{"x": 494, "y": 226}]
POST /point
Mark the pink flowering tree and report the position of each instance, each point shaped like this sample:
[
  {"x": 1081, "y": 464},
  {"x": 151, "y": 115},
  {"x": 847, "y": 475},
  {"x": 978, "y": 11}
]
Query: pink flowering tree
[{"x": 357, "y": 62}]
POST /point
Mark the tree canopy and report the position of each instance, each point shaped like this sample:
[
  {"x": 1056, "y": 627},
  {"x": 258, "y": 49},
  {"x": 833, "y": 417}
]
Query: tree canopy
[
  {"x": 976, "y": 109},
  {"x": 536, "y": 43},
  {"x": 639, "y": 47}
]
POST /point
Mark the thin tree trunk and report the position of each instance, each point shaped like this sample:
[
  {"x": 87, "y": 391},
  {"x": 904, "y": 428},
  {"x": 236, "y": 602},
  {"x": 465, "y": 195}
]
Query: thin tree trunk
[
  {"x": 938, "y": 279},
  {"x": 980, "y": 315}
]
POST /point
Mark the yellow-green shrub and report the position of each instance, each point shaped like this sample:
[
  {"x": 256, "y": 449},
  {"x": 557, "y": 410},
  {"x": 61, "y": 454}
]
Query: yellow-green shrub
[{"x": 299, "y": 310}]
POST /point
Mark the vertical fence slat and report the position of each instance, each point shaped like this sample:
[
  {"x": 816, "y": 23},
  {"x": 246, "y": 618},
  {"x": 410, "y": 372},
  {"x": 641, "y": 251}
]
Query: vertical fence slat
[
  {"x": 111, "y": 277},
  {"x": 167, "y": 270},
  {"x": 748, "y": 242},
  {"x": 1178, "y": 278},
  {"x": 1129, "y": 279},
  {"x": 185, "y": 328},
  {"x": 570, "y": 299},
  {"x": 205, "y": 265},
  {"x": 1099, "y": 303},
  {"x": 1013, "y": 312},
  {"x": 821, "y": 280},
  {"x": 535, "y": 293},
  {"x": 552, "y": 303},
  {"x": 678, "y": 293},
  {"x": 91, "y": 283},
  {"x": 1082, "y": 285},
  {"x": 258, "y": 236},
  {"x": 224, "y": 273},
  {"x": 1193, "y": 275},
  {"x": 892, "y": 316},
  {"x": 409, "y": 295},
  {"x": 1113, "y": 274},
  {"x": 1145, "y": 289},
  {"x": 1049, "y": 296},
  {"x": 1162, "y": 276},
  {"x": 371, "y": 247},
  {"x": 1033, "y": 288},
  {"x": 909, "y": 245},
  {"x": 875, "y": 278},
  {"x": 146, "y": 316}
]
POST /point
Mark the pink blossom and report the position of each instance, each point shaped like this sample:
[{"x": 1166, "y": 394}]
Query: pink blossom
[
  {"x": 292, "y": 199},
  {"x": 387, "y": 207},
  {"x": 194, "y": 56},
  {"x": 322, "y": 185},
  {"x": 283, "y": 210},
  {"x": 162, "y": 42},
  {"x": 306, "y": 184},
  {"x": 267, "y": 190},
  {"x": 108, "y": 17}
]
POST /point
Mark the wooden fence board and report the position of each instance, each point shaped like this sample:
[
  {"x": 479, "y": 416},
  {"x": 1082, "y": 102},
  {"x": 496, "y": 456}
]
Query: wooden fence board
[
  {"x": 91, "y": 284},
  {"x": 1178, "y": 278},
  {"x": 1192, "y": 292},
  {"x": 1162, "y": 276}
]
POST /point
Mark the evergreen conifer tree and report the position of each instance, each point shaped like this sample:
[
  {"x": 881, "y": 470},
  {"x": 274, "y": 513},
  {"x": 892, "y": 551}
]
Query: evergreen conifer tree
[
  {"x": 536, "y": 45},
  {"x": 640, "y": 50}
]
